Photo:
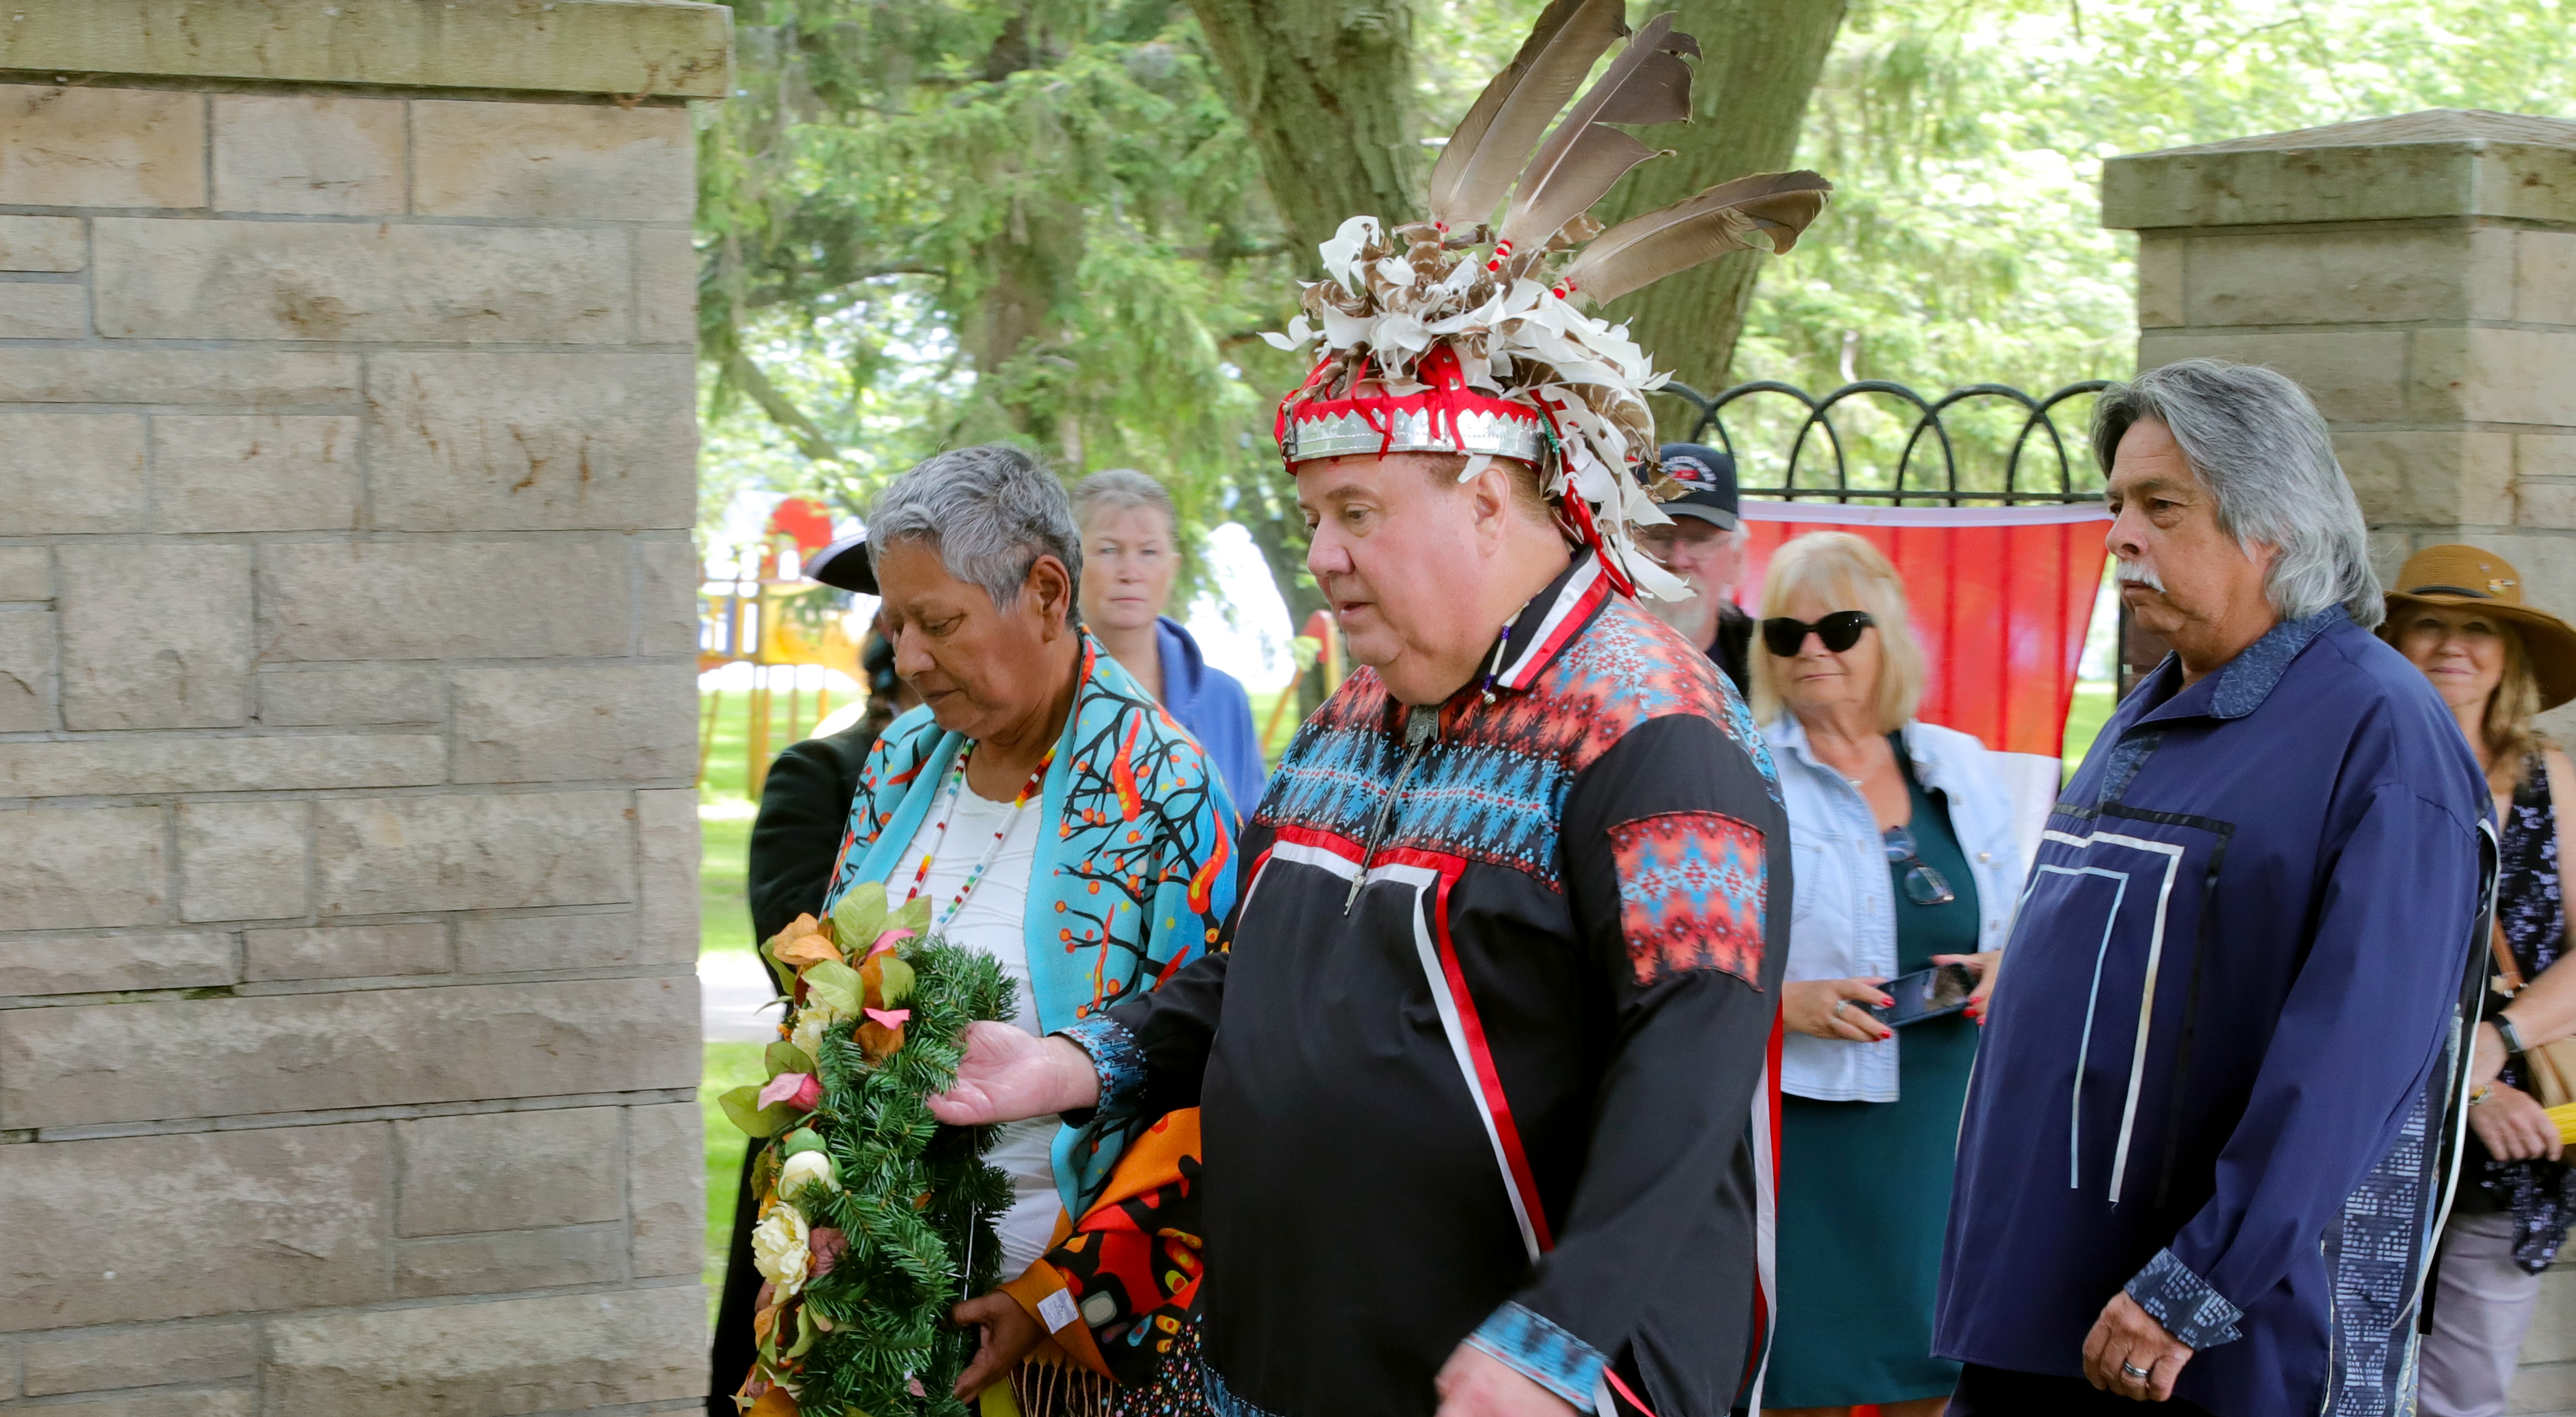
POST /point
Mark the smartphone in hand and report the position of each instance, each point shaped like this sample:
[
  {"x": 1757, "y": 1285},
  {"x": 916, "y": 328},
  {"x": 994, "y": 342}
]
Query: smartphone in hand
[{"x": 1926, "y": 993}]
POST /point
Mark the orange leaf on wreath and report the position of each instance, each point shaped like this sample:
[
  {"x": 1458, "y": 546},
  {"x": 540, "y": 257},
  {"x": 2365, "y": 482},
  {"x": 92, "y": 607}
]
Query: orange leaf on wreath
[
  {"x": 801, "y": 925},
  {"x": 811, "y": 948},
  {"x": 878, "y": 1041}
]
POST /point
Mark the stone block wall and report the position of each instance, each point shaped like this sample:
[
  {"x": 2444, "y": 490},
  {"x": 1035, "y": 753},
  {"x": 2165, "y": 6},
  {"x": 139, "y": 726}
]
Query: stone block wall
[
  {"x": 348, "y": 1021},
  {"x": 2418, "y": 275}
]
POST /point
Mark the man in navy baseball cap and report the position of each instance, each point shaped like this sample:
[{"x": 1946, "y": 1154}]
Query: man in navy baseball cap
[{"x": 1705, "y": 547}]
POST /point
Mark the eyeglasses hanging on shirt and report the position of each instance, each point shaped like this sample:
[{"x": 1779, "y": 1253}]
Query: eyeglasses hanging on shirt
[
  {"x": 1840, "y": 631},
  {"x": 1923, "y": 885}
]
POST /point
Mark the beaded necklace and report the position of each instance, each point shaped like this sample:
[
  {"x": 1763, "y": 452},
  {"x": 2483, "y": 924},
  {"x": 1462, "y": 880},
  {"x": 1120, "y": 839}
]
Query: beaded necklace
[{"x": 992, "y": 850}]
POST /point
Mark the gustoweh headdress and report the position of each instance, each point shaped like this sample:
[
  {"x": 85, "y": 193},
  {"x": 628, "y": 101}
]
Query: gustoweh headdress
[{"x": 1429, "y": 348}]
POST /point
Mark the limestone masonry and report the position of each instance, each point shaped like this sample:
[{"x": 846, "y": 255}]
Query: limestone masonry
[{"x": 348, "y": 1021}]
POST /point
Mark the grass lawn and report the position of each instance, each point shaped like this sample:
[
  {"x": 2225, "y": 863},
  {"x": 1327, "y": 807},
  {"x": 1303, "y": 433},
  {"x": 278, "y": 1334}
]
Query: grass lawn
[
  {"x": 728, "y": 1065},
  {"x": 2084, "y": 720}
]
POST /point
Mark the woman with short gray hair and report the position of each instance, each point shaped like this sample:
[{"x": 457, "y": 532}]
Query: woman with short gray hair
[
  {"x": 1057, "y": 820},
  {"x": 1130, "y": 555}
]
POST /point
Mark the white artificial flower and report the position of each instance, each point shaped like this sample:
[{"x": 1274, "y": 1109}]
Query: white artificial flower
[
  {"x": 804, "y": 1169},
  {"x": 779, "y": 1248},
  {"x": 812, "y": 1022}
]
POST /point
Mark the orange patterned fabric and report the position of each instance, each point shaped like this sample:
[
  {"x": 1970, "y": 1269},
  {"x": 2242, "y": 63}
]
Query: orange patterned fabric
[
  {"x": 1692, "y": 894},
  {"x": 1131, "y": 1264}
]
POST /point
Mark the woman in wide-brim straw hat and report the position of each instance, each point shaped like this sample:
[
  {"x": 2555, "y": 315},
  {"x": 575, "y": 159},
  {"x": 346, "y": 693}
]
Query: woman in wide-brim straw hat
[{"x": 2457, "y": 613}]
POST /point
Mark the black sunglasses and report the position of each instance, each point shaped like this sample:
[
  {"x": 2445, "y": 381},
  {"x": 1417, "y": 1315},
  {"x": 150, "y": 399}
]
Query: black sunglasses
[
  {"x": 1923, "y": 885},
  {"x": 1840, "y": 631}
]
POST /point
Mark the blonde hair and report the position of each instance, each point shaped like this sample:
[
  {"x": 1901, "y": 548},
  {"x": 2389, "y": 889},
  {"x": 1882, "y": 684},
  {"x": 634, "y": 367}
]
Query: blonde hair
[
  {"x": 2513, "y": 705},
  {"x": 1847, "y": 573}
]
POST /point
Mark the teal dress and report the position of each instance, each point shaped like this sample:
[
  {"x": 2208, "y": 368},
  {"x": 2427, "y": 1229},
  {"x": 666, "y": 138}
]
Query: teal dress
[{"x": 1865, "y": 1186}]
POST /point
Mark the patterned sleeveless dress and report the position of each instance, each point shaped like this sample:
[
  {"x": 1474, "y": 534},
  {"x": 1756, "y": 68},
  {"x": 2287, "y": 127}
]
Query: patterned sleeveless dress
[{"x": 2533, "y": 916}]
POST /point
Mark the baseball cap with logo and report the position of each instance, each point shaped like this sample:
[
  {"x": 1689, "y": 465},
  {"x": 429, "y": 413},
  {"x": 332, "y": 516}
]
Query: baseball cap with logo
[{"x": 1708, "y": 477}]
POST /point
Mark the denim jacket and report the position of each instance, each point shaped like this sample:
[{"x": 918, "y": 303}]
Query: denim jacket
[{"x": 1844, "y": 924}]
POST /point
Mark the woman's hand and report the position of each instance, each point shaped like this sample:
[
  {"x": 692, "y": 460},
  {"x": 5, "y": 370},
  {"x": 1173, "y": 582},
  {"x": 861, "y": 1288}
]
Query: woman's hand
[
  {"x": 1808, "y": 1005},
  {"x": 1011, "y": 1334},
  {"x": 1985, "y": 965},
  {"x": 2514, "y": 1126}
]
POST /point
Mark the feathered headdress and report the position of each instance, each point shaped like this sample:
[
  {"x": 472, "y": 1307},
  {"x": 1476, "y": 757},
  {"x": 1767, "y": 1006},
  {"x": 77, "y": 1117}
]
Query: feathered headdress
[{"x": 1429, "y": 348}]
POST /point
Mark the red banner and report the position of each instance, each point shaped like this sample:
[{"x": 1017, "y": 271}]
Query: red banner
[{"x": 2000, "y": 597}]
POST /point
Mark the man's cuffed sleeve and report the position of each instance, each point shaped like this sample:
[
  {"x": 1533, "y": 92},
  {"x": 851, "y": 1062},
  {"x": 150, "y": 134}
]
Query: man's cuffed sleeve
[
  {"x": 2195, "y": 1314},
  {"x": 2362, "y": 1027},
  {"x": 1541, "y": 1352},
  {"x": 1114, "y": 1055}
]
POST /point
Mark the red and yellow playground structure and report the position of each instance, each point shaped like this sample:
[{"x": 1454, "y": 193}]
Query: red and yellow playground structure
[{"x": 752, "y": 620}]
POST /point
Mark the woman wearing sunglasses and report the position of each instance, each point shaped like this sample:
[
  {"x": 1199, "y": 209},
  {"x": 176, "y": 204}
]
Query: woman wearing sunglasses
[{"x": 1904, "y": 856}]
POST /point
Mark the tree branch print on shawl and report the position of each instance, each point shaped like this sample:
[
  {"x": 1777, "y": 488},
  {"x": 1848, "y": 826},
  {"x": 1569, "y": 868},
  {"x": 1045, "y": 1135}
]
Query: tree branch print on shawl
[
  {"x": 1691, "y": 894},
  {"x": 1130, "y": 884}
]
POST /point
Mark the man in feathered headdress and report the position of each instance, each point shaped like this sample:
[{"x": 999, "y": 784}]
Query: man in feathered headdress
[{"x": 1483, "y": 1078}]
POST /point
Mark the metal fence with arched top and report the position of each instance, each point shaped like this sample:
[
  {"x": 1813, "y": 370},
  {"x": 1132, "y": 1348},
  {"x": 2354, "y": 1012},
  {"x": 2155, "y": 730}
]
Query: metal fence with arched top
[{"x": 1930, "y": 428}]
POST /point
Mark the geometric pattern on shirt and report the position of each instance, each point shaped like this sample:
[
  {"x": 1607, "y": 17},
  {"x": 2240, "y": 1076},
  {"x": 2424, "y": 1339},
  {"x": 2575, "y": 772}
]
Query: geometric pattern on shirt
[
  {"x": 1493, "y": 787},
  {"x": 2375, "y": 1251},
  {"x": 1534, "y": 1346},
  {"x": 1692, "y": 894},
  {"x": 2183, "y": 1303}
]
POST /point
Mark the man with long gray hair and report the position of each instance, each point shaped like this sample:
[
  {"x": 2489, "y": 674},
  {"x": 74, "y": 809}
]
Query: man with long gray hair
[{"x": 2205, "y": 1150}]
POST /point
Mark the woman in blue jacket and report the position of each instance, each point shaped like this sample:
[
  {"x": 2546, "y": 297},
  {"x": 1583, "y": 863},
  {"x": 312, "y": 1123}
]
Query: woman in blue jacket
[
  {"x": 1131, "y": 552},
  {"x": 1904, "y": 858}
]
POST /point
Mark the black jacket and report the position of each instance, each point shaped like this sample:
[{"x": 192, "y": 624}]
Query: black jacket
[{"x": 1499, "y": 1090}]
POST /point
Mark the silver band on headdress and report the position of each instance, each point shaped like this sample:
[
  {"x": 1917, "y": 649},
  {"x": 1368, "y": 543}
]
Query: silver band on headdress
[{"x": 1348, "y": 433}]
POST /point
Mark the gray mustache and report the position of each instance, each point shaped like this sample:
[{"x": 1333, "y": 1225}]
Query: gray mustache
[{"x": 2139, "y": 572}]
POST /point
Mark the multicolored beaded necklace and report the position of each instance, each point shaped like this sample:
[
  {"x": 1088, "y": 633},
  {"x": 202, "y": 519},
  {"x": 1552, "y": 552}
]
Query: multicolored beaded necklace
[{"x": 992, "y": 850}]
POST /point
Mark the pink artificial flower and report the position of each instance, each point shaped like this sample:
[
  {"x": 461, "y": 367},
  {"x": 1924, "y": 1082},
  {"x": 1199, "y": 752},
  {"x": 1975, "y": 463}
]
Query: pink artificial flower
[
  {"x": 888, "y": 941},
  {"x": 801, "y": 1091},
  {"x": 888, "y": 1018},
  {"x": 826, "y": 1245}
]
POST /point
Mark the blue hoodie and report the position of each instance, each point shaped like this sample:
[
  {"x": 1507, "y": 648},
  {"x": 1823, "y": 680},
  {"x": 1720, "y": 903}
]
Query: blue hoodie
[{"x": 1211, "y": 704}]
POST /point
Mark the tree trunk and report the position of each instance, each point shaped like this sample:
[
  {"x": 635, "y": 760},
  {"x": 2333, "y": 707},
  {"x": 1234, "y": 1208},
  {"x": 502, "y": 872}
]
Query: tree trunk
[
  {"x": 1760, "y": 60},
  {"x": 1326, "y": 88}
]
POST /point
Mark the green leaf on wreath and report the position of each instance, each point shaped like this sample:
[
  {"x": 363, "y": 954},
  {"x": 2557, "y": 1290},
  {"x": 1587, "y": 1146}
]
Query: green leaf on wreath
[
  {"x": 894, "y": 980},
  {"x": 859, "y": 916},
  {"x": 835, "y": 984},
  {"x": 805, "y": 1332},
  {"x": 742, "y": 1107},
  {"x": 784, "y": 1057}
]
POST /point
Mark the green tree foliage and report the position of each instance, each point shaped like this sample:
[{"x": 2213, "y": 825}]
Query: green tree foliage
[
  {"x": 934, "y": 222},
  {"x": 929, "y": 222},
  {"x": 1966, "y": 142}
]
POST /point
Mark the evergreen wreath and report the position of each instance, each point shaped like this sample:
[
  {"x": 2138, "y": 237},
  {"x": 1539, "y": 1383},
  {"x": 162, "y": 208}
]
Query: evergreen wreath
[{"x": 874, "y": 1217}]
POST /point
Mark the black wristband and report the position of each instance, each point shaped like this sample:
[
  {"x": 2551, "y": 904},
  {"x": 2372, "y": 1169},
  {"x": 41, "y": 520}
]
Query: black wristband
[{"x": 2511, "y": 1035}]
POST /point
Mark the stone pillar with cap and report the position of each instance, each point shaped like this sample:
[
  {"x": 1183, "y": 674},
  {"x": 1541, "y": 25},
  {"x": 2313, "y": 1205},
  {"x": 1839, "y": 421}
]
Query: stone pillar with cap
[
  {"x": 2418, "y": 275},
  {"x": 349, "y": 1035}
]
